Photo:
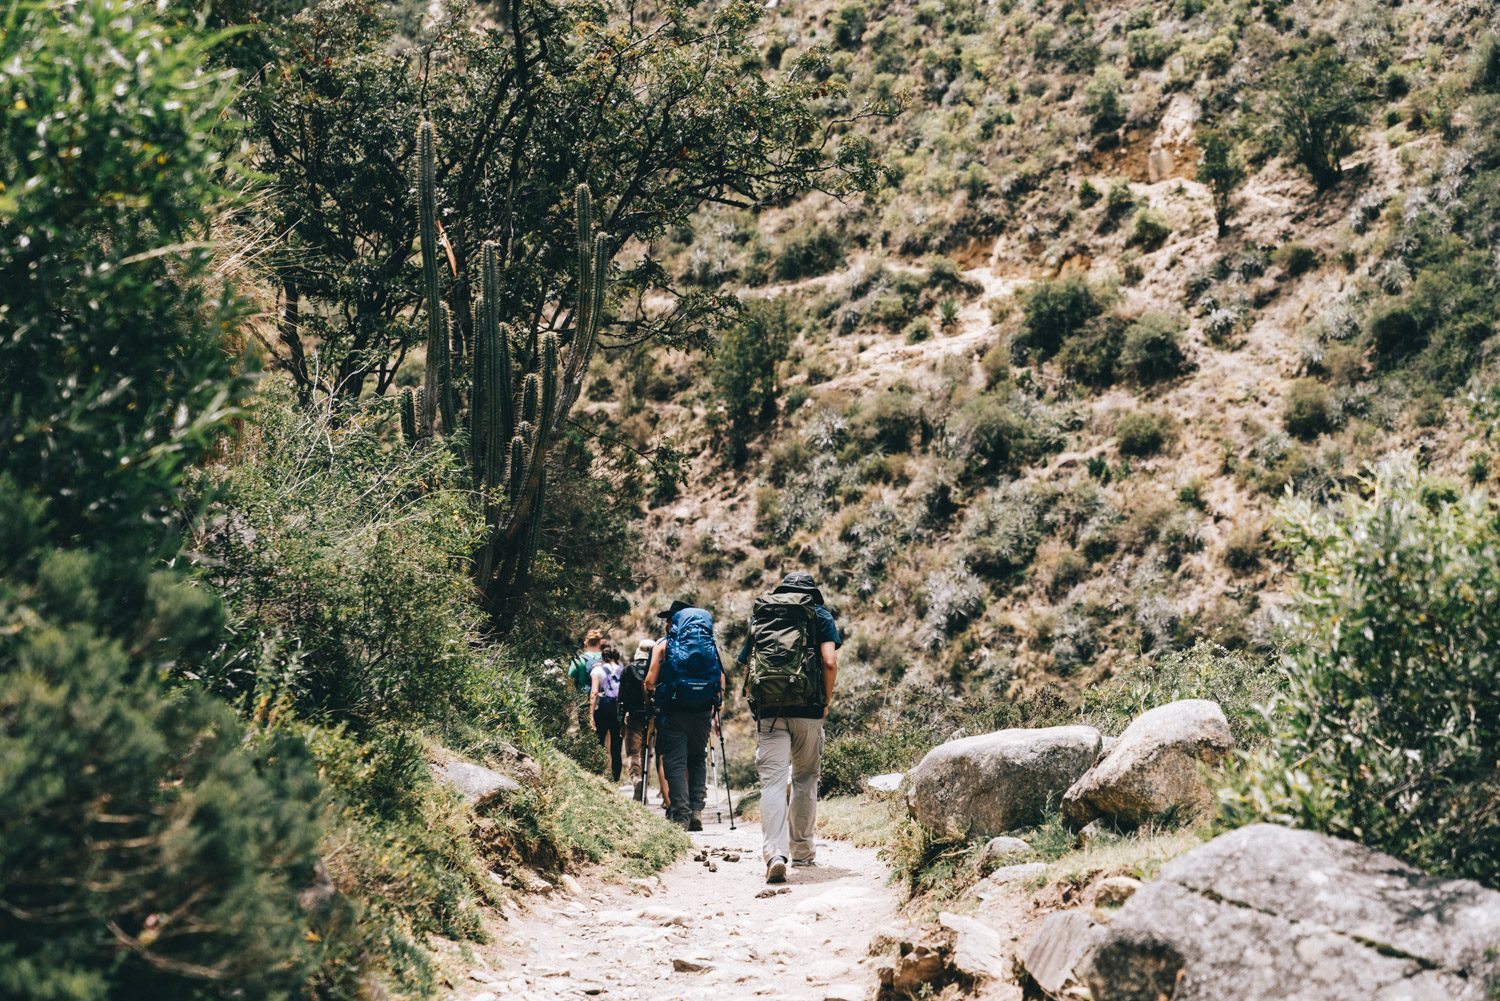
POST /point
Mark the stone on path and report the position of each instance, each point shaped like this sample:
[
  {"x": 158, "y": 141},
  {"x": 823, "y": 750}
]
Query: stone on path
[
  {"x": 977, "y": 950},
  {"x": 846, "y": 992},
  {"x": 664, "y": 916},
  {"x": 1157, "y": 766},
  {"x": 1065, "y": 938},
  {"x": 826, "y": 971},
  {"x": 996, "y": 782},
  {"x": 690, "y": 965},
  {"x": 1270, "y": 912},
  {"x": 571, "y": 886}
]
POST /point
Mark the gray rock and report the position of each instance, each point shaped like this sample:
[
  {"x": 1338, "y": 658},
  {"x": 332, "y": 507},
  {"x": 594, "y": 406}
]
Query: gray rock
[
  {"x": 682, "y": 965},
  {"x": 889, "y": 782},
  {"x": 1057, "y": 949},
  {"x": 826, "y": 971},
  {"x": 1269, "y": 912},
  {"x": 1002, "y": 847},
  {"x": 846, "y": 992},
  {"x": 481, "y": 786},
  {"x": 518, "y": 764},
  {"x": 1156, "y": 767},
  {"x": 890, "y": 938},
  {"x": 1115, "y": 890},
  {"x": 1015, "y": 873},
  {"x": 1098, "y": 832},
  {"x": 977, "y": 951},
  {"x": 996, "y": 782},
  {"x": 1106, "y": 745}
]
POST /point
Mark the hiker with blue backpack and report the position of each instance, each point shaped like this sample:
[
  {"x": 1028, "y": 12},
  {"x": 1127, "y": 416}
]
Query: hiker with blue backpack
[
  {"x": 604, "y": 709},
  {"x": 791, "y": 665},
  {"x": 686, "y": 684}
]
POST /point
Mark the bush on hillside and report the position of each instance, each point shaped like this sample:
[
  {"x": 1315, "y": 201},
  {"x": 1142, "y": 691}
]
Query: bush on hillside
[
  {"x": 1239, "y": 682},
  {"x": 890, "y": 419},
  {"x": 1053, "y": 312},
  {"x": 1092, "y": 357},
  {"x": 806, "y": 252},
  {"x": 991, "y": 436},
  {"x": 744, "y": 372},
  {"x": 876, "y": 729},
  {"x": 1316, "y": 110},
  {"x": 1386, "y": 730},
  {"x": 1141, "y": 433},
  {"x": 1152, "y": 351},
  {"x": 1149, "y": 227},
  {"x": 1221, "y": 170},
  {"x": 1308, "y": 409},
  {"x": 1101, "y": 99}
]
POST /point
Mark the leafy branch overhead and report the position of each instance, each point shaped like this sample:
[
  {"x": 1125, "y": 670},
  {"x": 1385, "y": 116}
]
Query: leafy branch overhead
[{"x": 656, "y": 114}]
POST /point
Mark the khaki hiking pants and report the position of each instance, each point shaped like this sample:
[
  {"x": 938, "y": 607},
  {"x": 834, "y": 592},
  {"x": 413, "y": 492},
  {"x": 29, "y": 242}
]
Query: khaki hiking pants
[{"x": 788, "y": 750}]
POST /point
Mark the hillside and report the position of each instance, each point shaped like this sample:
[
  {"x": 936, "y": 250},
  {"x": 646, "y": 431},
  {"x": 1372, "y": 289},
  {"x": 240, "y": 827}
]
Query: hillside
[{"x": 998, "y": 487}]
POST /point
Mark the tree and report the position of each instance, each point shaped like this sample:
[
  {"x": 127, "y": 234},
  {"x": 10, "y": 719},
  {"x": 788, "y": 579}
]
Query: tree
[
  {"x": 651, "y": 109},
  {"x": 1316, "y": 105},
  {"x": 744, "y": 372},
  {"x": 1221, "y": 169}
]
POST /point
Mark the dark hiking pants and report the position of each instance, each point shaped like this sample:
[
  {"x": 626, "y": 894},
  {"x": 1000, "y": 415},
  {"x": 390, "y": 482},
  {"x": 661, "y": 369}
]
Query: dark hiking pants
[
  {"x": 607, "y": 726},
  {"x": 682, "y": 742}
]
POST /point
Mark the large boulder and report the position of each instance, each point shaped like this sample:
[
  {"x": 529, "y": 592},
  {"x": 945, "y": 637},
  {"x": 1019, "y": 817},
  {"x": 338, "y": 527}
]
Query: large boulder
[
  {"x": 1156, "y": 767},
  {"x": 1270, "y": 912},
  {"x": 996, "y": 782}
]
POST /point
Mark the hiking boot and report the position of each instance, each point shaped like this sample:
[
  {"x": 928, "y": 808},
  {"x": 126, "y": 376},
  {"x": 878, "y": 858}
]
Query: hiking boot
[
  {"x": 803, "y": 863},
  {"x": 637, "y": 795},
  {"x": 776, "y": 870},
  {"x": 696, "y": 824}
]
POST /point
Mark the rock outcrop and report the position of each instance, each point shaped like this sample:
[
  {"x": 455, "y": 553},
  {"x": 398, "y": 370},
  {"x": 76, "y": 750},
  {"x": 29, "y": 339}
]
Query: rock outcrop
[
  {"x": 1270, "y": 912},
  {"x": 996, "y": 782},
  {"x": 481, "y": 786},
  {"x": 1155, "y": 768}
]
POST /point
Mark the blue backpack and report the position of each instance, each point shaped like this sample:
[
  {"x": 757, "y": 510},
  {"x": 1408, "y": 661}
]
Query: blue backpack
[{"x": 690, "y": 667}]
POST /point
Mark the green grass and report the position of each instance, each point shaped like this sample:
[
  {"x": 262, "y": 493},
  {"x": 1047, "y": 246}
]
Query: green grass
[
  {"x": 867, "y": 821},
  {"x": 595, "y": 824}
]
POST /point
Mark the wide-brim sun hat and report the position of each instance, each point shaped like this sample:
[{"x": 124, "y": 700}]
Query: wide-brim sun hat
[
  {"x": 676, "y": 607},
  {"x": 644, "y": 648},
  {"x": 799, "y": 580}
]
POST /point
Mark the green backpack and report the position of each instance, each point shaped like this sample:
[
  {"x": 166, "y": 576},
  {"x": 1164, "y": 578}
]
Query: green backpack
[{"x": 784, "y": 669}]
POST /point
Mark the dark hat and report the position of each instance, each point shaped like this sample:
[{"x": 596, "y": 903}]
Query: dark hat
[
  {"x": 799, "y": 580},
  {"x": 677, "y": 606}
]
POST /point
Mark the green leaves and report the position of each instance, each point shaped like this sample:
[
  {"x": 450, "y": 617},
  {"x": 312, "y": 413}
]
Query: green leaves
[{"x": 1387, "y": 731}]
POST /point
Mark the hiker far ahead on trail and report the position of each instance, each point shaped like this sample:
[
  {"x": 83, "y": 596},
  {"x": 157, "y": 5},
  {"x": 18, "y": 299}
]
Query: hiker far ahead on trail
[{"x": 791, "y": 666}]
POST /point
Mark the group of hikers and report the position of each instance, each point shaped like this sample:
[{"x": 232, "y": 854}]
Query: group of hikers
[{"x": 666, "y": 700}]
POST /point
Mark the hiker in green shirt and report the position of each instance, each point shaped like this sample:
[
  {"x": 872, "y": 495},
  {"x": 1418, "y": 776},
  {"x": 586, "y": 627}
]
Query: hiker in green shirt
[{"x": 582, "y": 668}]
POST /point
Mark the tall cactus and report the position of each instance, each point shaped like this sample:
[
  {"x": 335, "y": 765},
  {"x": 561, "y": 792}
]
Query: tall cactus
[{"x": 513, "y": 414}]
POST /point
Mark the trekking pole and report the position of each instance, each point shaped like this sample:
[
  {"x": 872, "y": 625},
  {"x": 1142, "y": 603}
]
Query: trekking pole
[{"x": 723, "y": 754}]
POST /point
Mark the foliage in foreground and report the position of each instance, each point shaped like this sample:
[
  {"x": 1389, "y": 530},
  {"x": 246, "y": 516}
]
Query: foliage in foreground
[{"x": 1387, "y": 732}]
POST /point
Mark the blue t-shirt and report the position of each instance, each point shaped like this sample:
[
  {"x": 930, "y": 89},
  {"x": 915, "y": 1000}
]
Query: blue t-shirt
[{"x": 827, "y": 632}]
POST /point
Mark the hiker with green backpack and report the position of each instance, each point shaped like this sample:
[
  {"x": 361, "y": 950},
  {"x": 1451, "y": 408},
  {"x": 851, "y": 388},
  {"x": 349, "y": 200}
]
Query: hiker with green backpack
[
  {"x": 791, "y": 665},
  {"x": 686, "y": 684}
]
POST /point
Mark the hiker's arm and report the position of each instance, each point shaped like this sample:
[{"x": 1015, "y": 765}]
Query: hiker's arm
[
  {"x": 655, "y": 670},
  {"x": 593, "y": 692},
  {"x": 830, "y": 652}
]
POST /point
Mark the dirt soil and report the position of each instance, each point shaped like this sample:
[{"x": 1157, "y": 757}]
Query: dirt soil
[{"x": 696, "y": 931}]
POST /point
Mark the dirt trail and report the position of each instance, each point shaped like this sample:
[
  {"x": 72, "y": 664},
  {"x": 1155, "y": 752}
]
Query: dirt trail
[{"x": 698, "y": 933}]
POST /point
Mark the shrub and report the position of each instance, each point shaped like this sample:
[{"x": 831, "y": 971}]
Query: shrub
[
  {"x": 1144, "y": 47},
  {"x": 995, "y": 364},
  {"x": 1386, "y": 732},
  {"x": 1120, "y": 199},
  {"x": 1101, "y": 99},
  {"x": 1238, "y": 682},
  {"x": 1141, "y": 433},
  {"x": 1307, "y": 409},
  {"x": 1055, "y": 311},
  {"x": 1485, "y": 78},
  {"x": 918, "y": 330},
  {"x": 1394, "y": 330},
  {"x": 991, "y": 437},
  {"x": 890, "y": 419},
  {"x": 1242, "y": 550},
  {"x": 806, "y": 252},
  {"x": 1151, "y": 350},
  {"x": 848, "y": 22},
  {"x": 1090, "y": 358},
  {"x": 948, "y": 313},
  {"x": 1063, "y": 572},
  {"x": 1295, "y": 258},
  {"x": 744, "y": 372},
  {"x": 1222, "y": 169},
  {"x": 1315, "y": 105},
  {"x": 1149, "y": 227}
]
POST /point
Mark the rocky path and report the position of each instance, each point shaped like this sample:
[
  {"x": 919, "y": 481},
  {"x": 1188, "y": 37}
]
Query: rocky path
[{"x": 706, "y": 928}]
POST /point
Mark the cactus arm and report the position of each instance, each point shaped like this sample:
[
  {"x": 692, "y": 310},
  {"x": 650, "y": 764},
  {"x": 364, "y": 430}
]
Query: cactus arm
[
  {"x": 447, "y": 405},
  {"x": 427, "y": 227},
  {"x": 408, "y": 417}
]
